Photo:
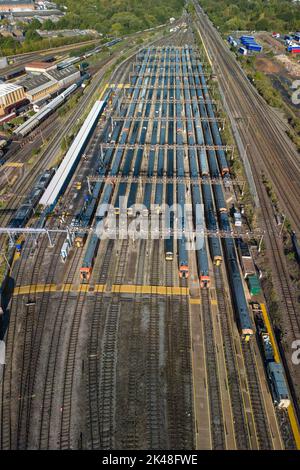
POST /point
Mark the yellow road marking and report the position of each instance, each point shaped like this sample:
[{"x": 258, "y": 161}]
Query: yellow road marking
[
  {"x": 123, "y": 289},
  {"x": 99, "y": 288},
  {"x": 103, "y": 91},
  {"x": 294, "y": 425},
  {"x": 13, "y": 165},
  {"x": 195, "y": 301},
  {"x": 159, "y": 290},
  {"x": 206, "y": 51},
  {"x": 270, "y": 331}
]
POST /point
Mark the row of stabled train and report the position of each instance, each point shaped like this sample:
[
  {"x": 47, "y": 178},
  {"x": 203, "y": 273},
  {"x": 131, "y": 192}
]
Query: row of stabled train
[
  {"x": 34, "y": 121},
  {"x": 157, "y": 78},
  {"x": 26, "y": 210}
]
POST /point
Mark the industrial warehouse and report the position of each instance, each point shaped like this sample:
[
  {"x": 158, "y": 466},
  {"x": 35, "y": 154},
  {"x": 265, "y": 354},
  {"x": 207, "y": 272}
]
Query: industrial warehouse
[{"x": 134, "y": 310}]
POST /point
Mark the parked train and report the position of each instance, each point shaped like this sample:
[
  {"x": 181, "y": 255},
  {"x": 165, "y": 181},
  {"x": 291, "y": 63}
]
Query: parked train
[
  {"x": 237, "y": 290},
  {"x": 274, "y": 369},
  {"x": 88, "y": 212},
  {"x": 113, "y": 159},
  {"x": 26, "y": 210},
  {"x": 40, "y": 116}
]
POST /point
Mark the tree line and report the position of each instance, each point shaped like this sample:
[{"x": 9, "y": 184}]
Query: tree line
[
  {"x": 259, "y": 15},
  {"x": 108, "y": 17}
]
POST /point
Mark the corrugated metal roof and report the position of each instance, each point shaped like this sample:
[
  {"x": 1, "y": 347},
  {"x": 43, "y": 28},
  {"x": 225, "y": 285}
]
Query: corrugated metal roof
[
  {"x": 54, "y": 189},
  {"x": 6, "y": 88},
  {"x": 61, "y": 74}
]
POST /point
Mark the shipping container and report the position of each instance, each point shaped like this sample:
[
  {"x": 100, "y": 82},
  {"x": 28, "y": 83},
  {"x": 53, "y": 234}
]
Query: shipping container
[
  {"x": 246, "y": 37},
  {"x": 254, "y": 47}
]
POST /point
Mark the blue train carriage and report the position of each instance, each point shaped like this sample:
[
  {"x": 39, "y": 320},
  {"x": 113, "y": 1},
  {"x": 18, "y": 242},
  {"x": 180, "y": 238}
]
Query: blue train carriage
[
  {"x": 202, "y": 263},
  {"x": 26, "y": 210},
  {"x": 93, "y": 244},
  {"x": 169, "y": 242},
  {"x": 183, "y": 262},
  {"x": 89, "y": 259},
  {"x": 148, "y": 186},
  {"x": 237, "y": 289},
  {"x": 221, "y": 205},
  {"x": 211, "y": 224},
  {"x": 278, "y": 385},
  {"x": 201, "y": 248}
]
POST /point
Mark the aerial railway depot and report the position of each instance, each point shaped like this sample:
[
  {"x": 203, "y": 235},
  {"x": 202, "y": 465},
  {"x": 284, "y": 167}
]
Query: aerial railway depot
[{"x": 141, "y": 327}]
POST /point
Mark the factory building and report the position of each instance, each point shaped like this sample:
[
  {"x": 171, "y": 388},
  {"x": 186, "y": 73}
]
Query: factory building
[
  {"x": 39, "y": 67},
  {"x": 43, "y": 85},
  {"x": 17, "y": 5},
  {"x": 11, "y": 96},
  {"x": 65, "y": 77}
]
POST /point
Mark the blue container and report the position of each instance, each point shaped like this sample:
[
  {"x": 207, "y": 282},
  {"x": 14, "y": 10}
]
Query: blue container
[
  {"x": 246, "y": 37},
  {"x": 254, "y": 47}
]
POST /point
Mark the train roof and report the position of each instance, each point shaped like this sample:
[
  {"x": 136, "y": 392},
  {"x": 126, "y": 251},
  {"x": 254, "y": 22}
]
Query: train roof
[{"x": 276, "y": 372}]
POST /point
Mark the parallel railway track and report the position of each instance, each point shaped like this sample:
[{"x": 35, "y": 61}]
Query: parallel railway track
[
  {"x": 272, "y": 151},
  {"x": 8, "y": 436},
  {"x": 240, "y": 421},
  {"x": 261, "y": 421},
  {"x": 36, "y": 318},
  {"x": 213, "y": 386},
  {"x": 180, "y": 401},
  {"x": 273, "y": 143},
  {"x": 65, "y": 438},
  {"x": 49, "y": 386}
]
